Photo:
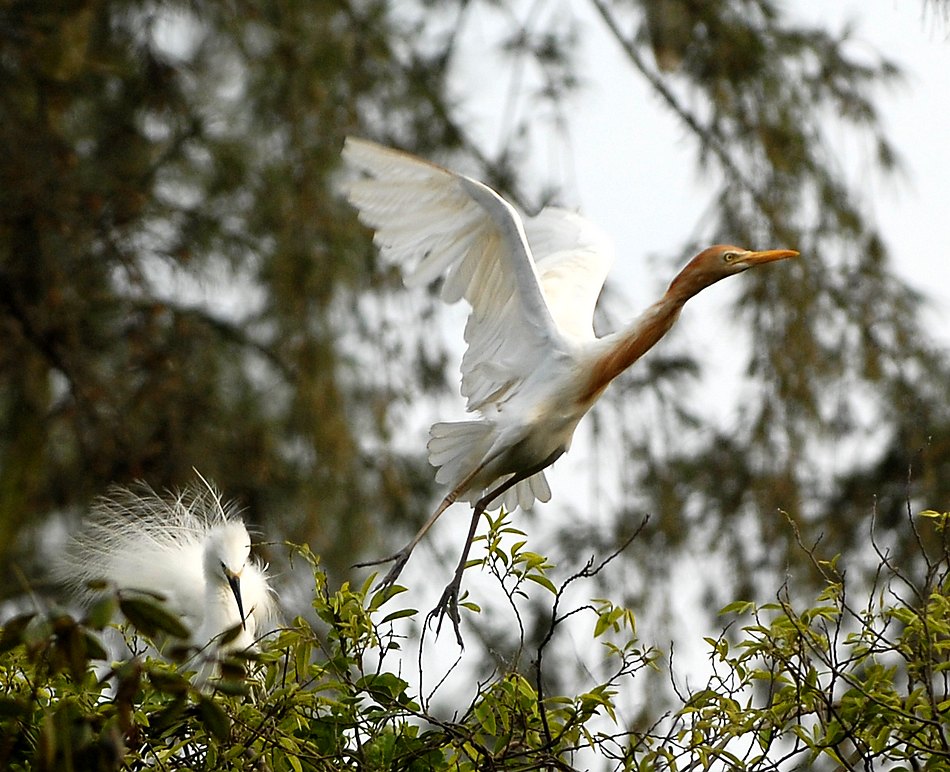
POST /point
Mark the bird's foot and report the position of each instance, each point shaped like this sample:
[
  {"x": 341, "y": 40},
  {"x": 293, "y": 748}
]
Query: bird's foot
[
  {"x": 448, "y": 606},
  {"x": 399, "y": 560}
]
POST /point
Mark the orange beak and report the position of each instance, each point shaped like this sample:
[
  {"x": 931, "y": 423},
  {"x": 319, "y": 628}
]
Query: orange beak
[{"x": 768, "y": 256}]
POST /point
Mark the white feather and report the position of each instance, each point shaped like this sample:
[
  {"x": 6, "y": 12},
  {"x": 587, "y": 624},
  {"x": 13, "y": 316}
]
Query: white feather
[
  {"x": 178, "y": 547},
  {"x": 531, "y": 282},
  {"x": 533, "y": 366}
]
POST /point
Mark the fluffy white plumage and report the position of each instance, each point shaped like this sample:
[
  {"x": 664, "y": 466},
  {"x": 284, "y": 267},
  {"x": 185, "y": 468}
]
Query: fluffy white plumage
[
  {"x": 532, "y": 284},
  {"x": 189, "y": 547},
  {"x": 533, "y": 366}
]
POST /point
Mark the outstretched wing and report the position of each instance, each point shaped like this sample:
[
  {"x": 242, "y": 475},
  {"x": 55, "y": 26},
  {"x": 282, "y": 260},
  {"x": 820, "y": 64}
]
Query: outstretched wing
[
  {"x": 573, "y": 257},
  {"x": 433, "y": 222}
]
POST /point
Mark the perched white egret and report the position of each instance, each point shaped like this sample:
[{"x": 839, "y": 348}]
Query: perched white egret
[
  {"x": 189, "y": 547},
  {"x": 533, "y": 366}
]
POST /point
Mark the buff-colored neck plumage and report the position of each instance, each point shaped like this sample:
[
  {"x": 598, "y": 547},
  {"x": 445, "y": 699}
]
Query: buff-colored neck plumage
[{"x": 626, "y": 346}]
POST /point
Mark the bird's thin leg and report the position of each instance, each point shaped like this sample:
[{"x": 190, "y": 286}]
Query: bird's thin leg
[
  {"x": 448, "y": 604},
  {"x": 399, "y": 559}
]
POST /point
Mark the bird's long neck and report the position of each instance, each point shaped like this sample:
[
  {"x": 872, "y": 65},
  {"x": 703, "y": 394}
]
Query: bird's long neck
[{"x": 626, "y": 346}]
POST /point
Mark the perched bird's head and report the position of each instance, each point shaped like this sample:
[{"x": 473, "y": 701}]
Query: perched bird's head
[{"x": 226, "y": 553}]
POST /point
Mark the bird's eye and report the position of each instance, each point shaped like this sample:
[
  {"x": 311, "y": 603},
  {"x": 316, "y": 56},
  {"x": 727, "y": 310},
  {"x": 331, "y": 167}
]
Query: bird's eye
[{"x": 730, "y": 256}]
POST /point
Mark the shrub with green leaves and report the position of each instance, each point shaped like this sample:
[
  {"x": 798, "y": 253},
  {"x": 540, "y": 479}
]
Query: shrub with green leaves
[
  {"x": 323, "y": 692},
  {"x": 855, "y": 680}
]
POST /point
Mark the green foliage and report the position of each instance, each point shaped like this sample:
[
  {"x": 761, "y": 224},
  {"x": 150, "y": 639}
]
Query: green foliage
[
  {"x": 836, "y": 684},
  {"x": 825, "y": 685},
  {"x": 179, "y": 281},
  {"x": 181, "y": 285},
  {"x": 321, "y": 694}
]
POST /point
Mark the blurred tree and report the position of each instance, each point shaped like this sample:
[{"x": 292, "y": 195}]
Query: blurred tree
[
  {"x": 181, "y": 286},
  {"x": 839, "y": 355}
]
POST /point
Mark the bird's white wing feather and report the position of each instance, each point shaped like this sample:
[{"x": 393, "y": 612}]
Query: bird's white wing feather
[
  {"x": 432, "y": 223},
  {"x": 573, "y": 257}
]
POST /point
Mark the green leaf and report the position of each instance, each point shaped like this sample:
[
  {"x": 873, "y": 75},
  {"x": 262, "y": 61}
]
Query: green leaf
[
  {"x": 229, "y": 635},
  {"x": 169, "y": 715},
  {"x": 384, "y": 594},
  {"x": 13, "y": 629},
  {"x": 367, "y": 584},
  {"x": 231, "y": 686},
  {"x": 543, "y": 581},
  {"x": 168, "y": 682},
  {"x": 101, "y": 612},
  {"x": 11, "y": 707},
  {"x": 386, "y": 684},
  {"x": 485, "y": 713},
  {"x": 214, "y": 718},
  {"x": 533, "y": 558},
  {"x": 151, "y": 618},
  {"x": 739, "y": 607},
  {"x": 94, "y": 648},
  {"x": 401, "y": 614}
]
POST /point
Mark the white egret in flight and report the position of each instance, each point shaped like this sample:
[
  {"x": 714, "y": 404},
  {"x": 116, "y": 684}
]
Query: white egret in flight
[
  {"x": 190, "y": 548},
  {"x": 533, "y": 366}
]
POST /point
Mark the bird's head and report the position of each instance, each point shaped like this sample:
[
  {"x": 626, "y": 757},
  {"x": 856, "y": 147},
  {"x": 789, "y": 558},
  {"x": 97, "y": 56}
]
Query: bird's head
[
  {"x": 226, "y": 553},
  {"x": 722, "y": 260}
]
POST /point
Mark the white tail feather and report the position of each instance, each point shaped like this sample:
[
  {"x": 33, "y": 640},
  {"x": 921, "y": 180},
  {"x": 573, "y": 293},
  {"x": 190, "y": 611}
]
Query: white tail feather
[
  {"x": 524, "y": 494},
  {"x": 457, "y": 448}
]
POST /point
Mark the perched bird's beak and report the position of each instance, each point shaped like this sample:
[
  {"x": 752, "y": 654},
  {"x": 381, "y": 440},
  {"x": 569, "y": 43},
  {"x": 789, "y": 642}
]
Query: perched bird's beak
[
  {"x": 768, "y": 256},
  {"x": 234, "y": 581}
]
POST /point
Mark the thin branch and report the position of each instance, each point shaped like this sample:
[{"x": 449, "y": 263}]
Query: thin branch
[
  {"x": 586, "y": 572},
  {"x": 709, "y": 137}
]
